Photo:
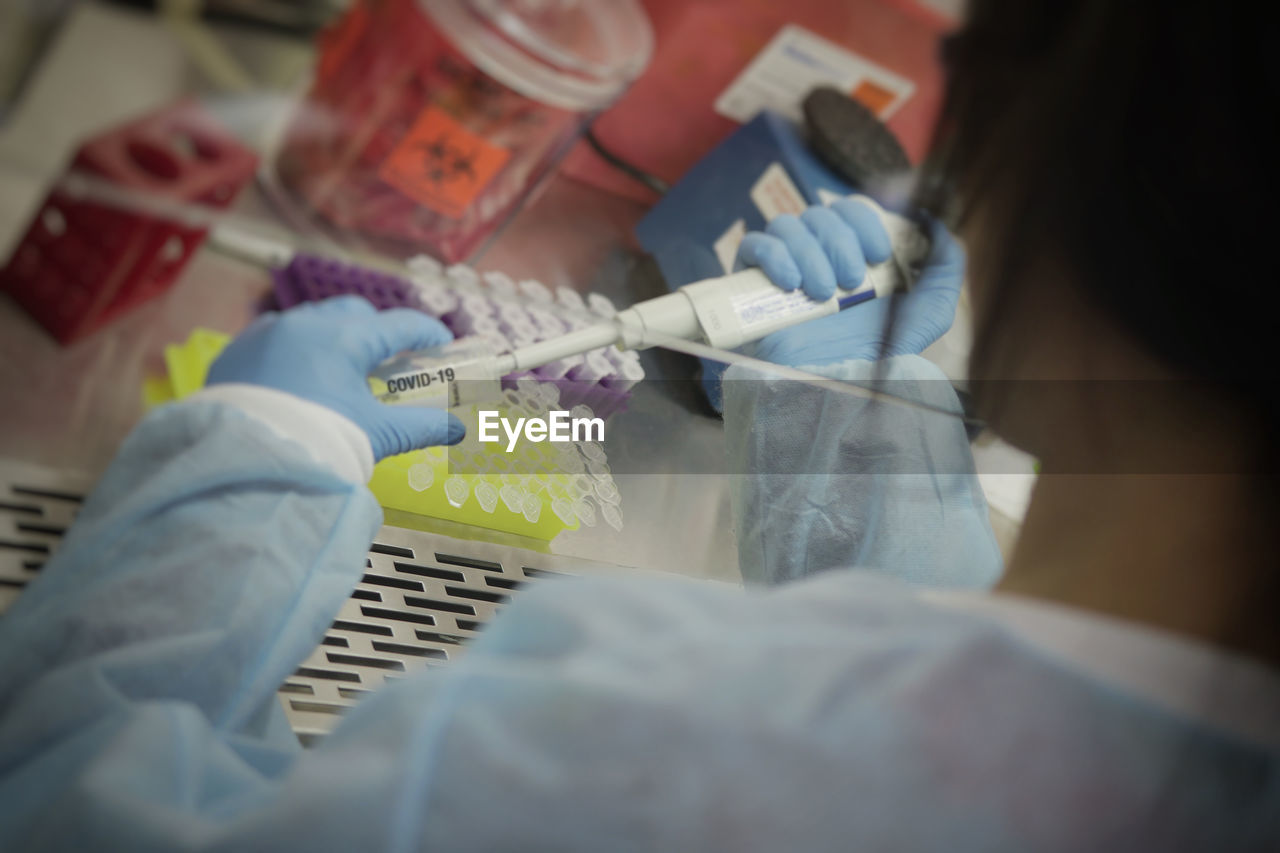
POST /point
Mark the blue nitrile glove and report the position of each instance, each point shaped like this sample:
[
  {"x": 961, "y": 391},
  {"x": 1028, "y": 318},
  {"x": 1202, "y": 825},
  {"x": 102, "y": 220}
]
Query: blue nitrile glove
[
  {"x": 324, "y": 351},
  {"x": 826, "y": 247}
]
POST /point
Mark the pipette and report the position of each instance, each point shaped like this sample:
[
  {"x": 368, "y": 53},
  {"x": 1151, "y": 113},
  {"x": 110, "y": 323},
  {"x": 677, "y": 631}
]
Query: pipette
[{"x": 724, "y": 312}]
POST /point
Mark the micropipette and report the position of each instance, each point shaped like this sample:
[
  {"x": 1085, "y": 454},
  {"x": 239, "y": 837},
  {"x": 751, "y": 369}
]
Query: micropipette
[{"x": 724, "y": 312}]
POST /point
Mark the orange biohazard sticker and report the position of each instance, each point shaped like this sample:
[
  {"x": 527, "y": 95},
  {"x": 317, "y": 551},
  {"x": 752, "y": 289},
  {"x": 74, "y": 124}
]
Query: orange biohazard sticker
[
  {"x": 441, "y": 164},
  {"x": 874, "y": 96}
]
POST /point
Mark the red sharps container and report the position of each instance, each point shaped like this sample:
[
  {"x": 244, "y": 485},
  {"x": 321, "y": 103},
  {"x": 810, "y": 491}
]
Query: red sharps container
[{"x": 429, "y": 122}]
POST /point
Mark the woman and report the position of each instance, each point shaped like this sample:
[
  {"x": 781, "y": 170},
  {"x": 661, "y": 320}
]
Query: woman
[{"x": 1117, "y": 691}]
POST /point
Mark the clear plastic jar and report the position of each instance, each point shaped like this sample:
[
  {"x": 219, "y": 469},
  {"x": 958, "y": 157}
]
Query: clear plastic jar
[{"x": 429, "y": 122}]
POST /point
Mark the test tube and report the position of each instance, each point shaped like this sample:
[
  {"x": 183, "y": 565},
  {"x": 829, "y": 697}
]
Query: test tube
[
  {"x": 598, "y": 469},
  {"x": 510, "y": 313},
  {"x": 547, "y": 323},
  {"x": 570, "y": 300},
  {"x": 535, "y": 291},
  {"x": 555, "y": 369},
  {"x": 435, "y": 299},
  {"x": 521, "y": 340},
  {"x": 593, "y": 451},
  {"x": 628, "y": 377},
  {"x": 594, "y": 368},
  {"x": 601, "y": 306},
  {"x": 425, "y": 266},
  {"x": 462, "y": 276},
  {"x": 500, "y": 285},
  {"x": 523, "y": 331},
  {"x": 485, "y": 327}
]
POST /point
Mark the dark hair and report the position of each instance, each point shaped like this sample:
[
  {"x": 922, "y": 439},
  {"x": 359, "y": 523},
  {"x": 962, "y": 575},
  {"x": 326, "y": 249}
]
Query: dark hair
[{"x": 1135, "y": 143}]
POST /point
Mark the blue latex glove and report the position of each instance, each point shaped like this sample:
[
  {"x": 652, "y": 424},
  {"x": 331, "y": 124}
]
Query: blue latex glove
[
  {"x": 324, "y": 351},
  {"x": 829, "y": 247}
]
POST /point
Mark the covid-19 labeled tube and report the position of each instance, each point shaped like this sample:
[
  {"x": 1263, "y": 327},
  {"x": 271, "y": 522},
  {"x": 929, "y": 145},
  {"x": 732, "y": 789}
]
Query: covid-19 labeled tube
[{"x": 458, "y": 373}]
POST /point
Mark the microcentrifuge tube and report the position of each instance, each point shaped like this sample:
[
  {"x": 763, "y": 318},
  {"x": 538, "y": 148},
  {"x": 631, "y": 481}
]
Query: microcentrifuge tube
[
  {"x": 612, "y": 516},
  {"x": 593, "y": 451},
  {"x": 582, "y": 411},
  {"x": 487, "y": 496},
  {"x": 512, "y": 497},
  {"x": 500, "y": 284},
  {"x": 608, "y": 492},
  {"x": 535, "y": 291},
  {"x": 599, "y": 470},
  {"x": 475, "y": 305},
  {"x": 573, "y": 464},
  {"x": 456, "y": 490},
  {"x": 486, "y": 327},
  {"x": 532, "y": 508},
  {"x": 563, "y": 508},
  {"x": 593, "y": 368},
  {"x": 421, "y": 476},
  {"x": 601, "y": 306},
  {"x": 549, "y": 325},
  {"x": 511, "y": 313},
  {"x": 570, "y": 299},
  {"x": 461, "y": 274},
  {"x": 436, "y": 300},
  {"x": 554, "y": 369},
  {"x": 549, "y": 394},
  {"x": 426, "y": 266},
  {"x": 586, "y": 511}
]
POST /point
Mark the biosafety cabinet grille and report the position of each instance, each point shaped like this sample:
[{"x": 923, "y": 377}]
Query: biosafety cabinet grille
[{"x": 421, "y": 598}]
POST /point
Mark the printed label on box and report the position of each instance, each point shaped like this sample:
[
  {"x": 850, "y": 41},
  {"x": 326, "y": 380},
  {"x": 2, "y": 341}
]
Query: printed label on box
[
  {"x": 796, "y": 61},
  {"x": 775, "y": 193},
  {"x": 727, "y": 246},
  {"x": 441, "y": 164}
]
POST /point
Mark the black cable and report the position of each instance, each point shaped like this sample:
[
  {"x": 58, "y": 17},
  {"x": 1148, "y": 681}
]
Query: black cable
[{"x": 632, "y": 171}]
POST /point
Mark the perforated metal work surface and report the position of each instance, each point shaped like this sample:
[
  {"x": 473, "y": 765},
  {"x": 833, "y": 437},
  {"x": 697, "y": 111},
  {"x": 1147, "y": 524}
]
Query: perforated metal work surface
[{"x": 422, "y": 596}]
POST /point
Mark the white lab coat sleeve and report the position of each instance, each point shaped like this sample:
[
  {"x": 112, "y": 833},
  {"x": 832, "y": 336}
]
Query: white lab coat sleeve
[{"x": 823, "y": 480}]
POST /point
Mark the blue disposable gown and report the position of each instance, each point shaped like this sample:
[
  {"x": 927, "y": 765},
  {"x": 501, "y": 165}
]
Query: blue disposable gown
[{"x": 843, "y": 711}]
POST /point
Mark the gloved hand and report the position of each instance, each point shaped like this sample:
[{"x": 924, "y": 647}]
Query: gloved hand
[
  {"x": 826, "y": 247},
  {"x": 324, "y": 351}
]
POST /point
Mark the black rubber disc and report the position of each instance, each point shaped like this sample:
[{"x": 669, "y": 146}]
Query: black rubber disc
[{"x": 850, "y": 139}]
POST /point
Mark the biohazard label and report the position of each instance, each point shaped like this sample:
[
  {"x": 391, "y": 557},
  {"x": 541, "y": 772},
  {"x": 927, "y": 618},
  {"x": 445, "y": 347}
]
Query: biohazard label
[{"x": 441, "y": 164}]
